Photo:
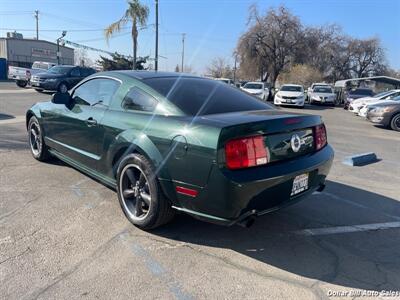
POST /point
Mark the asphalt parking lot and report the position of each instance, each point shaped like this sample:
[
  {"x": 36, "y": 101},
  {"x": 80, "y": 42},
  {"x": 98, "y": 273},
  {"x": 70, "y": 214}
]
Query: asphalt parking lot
[{"x": 64, "y": 236}]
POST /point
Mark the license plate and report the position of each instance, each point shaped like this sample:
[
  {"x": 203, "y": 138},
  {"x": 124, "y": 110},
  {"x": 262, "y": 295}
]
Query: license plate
[
  {"x": 300, "y": 184},
  {"x": 35, "y": 83}
]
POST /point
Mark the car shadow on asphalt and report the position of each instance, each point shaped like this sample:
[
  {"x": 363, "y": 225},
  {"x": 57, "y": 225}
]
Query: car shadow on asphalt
[
  {"x": 363, "y": 260},
  {"x": 6, "y": 116}
]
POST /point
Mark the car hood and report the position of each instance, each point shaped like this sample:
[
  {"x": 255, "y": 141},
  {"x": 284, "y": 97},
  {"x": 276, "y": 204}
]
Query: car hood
[
  {"x": 252, "y": 91},
  {"x": 290, "y": 94},
  {"x": 47, "y": 75},
  {"x": 365, "y": 100},
  {"x": 384, "y": 103}
]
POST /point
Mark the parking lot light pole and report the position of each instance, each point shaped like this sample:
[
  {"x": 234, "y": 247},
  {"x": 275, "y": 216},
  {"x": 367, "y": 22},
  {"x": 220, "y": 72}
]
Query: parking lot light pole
[{"x": 63, "y": 34}]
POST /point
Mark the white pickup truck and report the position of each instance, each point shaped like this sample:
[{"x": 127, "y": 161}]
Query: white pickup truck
[{"x": 22, "y": 76}]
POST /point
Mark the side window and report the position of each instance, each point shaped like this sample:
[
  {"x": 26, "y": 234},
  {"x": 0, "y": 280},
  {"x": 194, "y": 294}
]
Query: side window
[
  {"x": 86, "y": 72},
  {"x": 96, "y": 91},
  {"x": 75, "y": 72},
  {"x": 137, "y": 99}
]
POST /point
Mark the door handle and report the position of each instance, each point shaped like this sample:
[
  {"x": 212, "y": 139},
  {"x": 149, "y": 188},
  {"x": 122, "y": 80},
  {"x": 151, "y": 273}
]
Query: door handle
[{"x": 91, "y": 122}]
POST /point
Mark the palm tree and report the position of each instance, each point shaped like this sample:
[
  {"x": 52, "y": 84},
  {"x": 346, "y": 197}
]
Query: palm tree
[{"x": 137, "y": 14}]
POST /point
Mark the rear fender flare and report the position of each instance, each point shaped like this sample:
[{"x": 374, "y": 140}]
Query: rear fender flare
[{"x": 136, "y": 141}]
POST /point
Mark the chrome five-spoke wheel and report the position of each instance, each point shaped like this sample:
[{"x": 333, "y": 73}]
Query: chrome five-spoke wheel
[
  {"x": 135, "y": 192},
  {"x": 35, "y": 139}
]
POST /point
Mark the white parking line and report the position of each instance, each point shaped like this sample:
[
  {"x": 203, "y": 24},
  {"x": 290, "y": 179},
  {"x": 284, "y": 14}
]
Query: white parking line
[
  {"x": 348, "y": 229},
  {"x": 22, "y": 91}
]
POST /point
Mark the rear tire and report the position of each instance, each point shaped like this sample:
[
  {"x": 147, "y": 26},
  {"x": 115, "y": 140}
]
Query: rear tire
[
  {"x": 21, "y": 83},
  {"x": 37, "y": 146},
  {"x": 140, "y": 194},
  {"x": 395, "y": 122}
]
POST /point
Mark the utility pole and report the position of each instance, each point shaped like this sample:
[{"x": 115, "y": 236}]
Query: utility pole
[
  {"x": 234, "y": 69},
  {"x": 37, "y": 24},
  {"x": 156, "y": 56},
  {"x": 183, "y": 50}
]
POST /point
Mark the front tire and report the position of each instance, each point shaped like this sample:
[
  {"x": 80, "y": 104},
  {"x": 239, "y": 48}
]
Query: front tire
[
  {"x": 395, "y": 123},
  {"x": 140, "y": 194},
  {"x": 21, "y": 83},
  {"x": 38, "y": 148}
]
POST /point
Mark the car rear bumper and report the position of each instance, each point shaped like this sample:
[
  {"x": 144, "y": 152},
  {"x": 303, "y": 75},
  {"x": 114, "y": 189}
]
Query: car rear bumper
[{"x": 231, "y": 196}]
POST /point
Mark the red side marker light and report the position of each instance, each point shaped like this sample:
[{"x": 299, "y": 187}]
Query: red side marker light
[{"x": 185, "y": 191}]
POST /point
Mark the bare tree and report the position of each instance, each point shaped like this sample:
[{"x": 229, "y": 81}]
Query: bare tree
[
  {"x": 177, "y": 69},
  {"x": 271, "y": 41},
  {"x": 219, "y": 68},
  {"x": 301, "y": 74},
  {"x": 367, "y": 57}
]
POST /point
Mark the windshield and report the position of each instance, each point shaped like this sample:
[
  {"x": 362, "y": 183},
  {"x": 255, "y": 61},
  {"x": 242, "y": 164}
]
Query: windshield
[
  {"x": 59, "y": 70},
  {"x": 197, "y": 96},
  {"x": 291, "y": 88},
  {"x": 362, "y": 92},
  {"x": 323, "y": 90},
  {"x": 253, "y": 86}
]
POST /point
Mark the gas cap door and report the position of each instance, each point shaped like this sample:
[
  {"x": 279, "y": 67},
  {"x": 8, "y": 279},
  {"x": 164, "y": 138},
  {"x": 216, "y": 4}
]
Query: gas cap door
[{"x": 179, "y": 146}]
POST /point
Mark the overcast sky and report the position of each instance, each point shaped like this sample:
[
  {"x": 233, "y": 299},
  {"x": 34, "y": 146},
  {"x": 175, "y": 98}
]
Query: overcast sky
[{"x": 212, "y": 27}]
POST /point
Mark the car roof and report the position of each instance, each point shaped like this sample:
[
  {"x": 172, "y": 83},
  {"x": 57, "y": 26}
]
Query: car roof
[
  {"x": 151, "y": 74},
  {"x": 254, "y": 82}
]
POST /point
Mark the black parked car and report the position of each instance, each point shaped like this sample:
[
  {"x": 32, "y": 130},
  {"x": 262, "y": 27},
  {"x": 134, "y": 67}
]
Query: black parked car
[{"x": 60, "y": 78}]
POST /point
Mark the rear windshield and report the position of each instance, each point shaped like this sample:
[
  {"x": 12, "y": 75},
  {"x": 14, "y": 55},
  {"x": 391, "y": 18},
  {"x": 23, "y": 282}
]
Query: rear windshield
[
  {"x": 322, "y": 90},
  {"x": 291, "y": 88},
  {"x": 197, "y": 96},
  {"x": 253, "y": 86},
  {"x": 362, "y": 92}
]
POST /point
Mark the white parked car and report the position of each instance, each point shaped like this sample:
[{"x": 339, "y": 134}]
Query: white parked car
[
  {"x": 258, "y": 89},
  {"x": 357, "y": 104},
  {"x": 322, "y": 95},
  {"x": 367, "y": 107},
  {"x": 313, "y": 86},
  {"x": 22, "y": 76},
  {"x": 290, "y": 94}
]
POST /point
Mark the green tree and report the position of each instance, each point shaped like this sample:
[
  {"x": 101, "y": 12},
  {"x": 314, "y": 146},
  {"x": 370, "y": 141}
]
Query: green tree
[
  {"x": 137, "y": 14},
  {"x": 121, "y": 62}
]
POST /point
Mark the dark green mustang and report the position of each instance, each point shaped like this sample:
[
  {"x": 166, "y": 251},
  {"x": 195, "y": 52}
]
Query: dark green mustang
[{"x": 169, "y": 142}]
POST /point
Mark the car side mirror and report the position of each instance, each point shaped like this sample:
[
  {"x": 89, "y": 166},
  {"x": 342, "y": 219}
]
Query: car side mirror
[{"x": 61, "y": 98}]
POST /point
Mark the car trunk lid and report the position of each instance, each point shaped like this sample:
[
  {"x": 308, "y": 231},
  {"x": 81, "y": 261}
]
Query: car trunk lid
[{"x": 285, "y": 135}]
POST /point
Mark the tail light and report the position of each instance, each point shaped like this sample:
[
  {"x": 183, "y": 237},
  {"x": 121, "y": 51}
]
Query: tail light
[
  {"x": 320, "y": 136},
  {"x": 246, "y": 152}
]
